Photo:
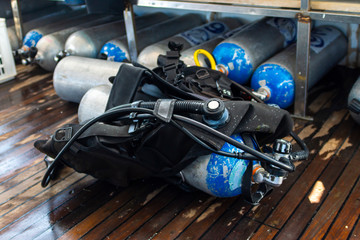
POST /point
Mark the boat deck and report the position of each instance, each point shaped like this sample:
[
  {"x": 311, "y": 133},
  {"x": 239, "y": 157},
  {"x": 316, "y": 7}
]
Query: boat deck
[{"x": 320, "y": 200}]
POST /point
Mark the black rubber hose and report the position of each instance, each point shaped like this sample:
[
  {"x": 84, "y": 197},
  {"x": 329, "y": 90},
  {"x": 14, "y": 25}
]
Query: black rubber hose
[
  {"x": 259, "y": 155},
  {"x": 188, "y": 106},
  {"x": 180, "y": 106},
  {"x": 300, "y": 155},
  {"x": 239, "y": 155}
]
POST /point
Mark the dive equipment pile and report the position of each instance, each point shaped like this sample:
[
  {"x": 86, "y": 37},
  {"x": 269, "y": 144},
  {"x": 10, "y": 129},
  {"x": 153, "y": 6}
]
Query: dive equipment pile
[{"x": 191, "y": 126}]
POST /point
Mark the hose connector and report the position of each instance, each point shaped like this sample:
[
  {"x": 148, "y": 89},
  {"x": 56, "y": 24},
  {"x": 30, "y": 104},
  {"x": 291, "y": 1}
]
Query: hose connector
[{"x": 215, "y": 113}]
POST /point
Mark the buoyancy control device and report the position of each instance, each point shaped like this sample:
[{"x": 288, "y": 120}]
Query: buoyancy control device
[{"x": 188, "y": 125}]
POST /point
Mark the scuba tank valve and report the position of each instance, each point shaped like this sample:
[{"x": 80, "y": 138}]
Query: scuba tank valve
[{"x": 273, "y": 175}]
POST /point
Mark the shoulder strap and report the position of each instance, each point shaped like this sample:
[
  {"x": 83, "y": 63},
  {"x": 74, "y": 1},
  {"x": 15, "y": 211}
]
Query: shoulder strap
[{"x": 125, "y": 85}]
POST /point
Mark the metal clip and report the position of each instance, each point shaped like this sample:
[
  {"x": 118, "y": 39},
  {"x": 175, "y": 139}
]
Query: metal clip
[
  {"x": 133, "y": 127},
  {"x": 63, "y": 134},
  {"x": 202, "y": 74}
]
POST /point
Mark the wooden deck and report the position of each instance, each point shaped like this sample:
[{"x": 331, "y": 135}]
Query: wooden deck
[{"x": 320, "y": 200}]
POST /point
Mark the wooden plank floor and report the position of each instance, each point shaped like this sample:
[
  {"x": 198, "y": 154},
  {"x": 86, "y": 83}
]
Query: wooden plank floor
[{"x": 321, "y": 200}]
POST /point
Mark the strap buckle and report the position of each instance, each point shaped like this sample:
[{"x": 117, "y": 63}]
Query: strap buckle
[
  {"x": 63, "y": 134},
  {"x": 202, "y": 74},
  {"x": 171, "y": 71}
]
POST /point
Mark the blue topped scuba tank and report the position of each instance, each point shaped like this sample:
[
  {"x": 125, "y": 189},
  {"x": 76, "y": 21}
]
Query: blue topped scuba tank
[
  {"x": 218, "y": 175},
  {"x": 223, "y": 176},
  {"x": 239, "y": 55},
  {"x": 275, "y": 78}
]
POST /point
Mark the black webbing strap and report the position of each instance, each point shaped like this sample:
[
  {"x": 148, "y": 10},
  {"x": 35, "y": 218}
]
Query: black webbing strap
[
  {"x": 263, "y": 189},
  {"x": 98, "y": 129},
  {"x": 106, "y": 130}
]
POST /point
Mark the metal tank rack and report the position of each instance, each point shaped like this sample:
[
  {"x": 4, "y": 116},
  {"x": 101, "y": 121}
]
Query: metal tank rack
[{"x": 347, "y": 11}]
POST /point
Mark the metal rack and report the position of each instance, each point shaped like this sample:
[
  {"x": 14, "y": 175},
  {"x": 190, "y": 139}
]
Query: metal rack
[{"x": 304, "y": 10}]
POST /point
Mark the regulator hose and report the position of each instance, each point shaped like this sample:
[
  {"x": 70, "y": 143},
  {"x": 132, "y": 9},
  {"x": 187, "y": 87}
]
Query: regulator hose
[
  {"x": 299, "y": 155},
  {"x": 187, "y": 106}
]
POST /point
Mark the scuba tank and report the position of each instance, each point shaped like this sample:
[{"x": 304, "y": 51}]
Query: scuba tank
[
  {"x": 45, "y": 52},
  {"x": 74, "y": 76},
  {"x": 88, "y": 42},
  {"x": 239, "y": 55},
  {"x": 192, "y": 37},
  {"x": 275, "y": 78},
  {"x": 354, "y": 101},
  {"x": 117, "y": 49}
]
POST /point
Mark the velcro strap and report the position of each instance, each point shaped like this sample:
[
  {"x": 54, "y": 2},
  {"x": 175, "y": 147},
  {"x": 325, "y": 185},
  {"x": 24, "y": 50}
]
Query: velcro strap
[{"x": 164, "y": 109}]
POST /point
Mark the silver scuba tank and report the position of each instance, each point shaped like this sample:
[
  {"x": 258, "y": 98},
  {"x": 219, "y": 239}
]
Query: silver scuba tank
[
  {"x": 239, "y": 55},
  {"x": 74, "y": 76},
  {"x": 117, "y": 49},
  {"x": 49, "y": 45},
  {"x": 42, "y": 17},
  {"x": 93, "y": 103},
  {"x": 275, "y": 78},
  {"x": 354, "y": 101},
  {"x": 187, "y": 56},
  {"x": 148, "y": 57},
  {"x": 88, "y": 42}
]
